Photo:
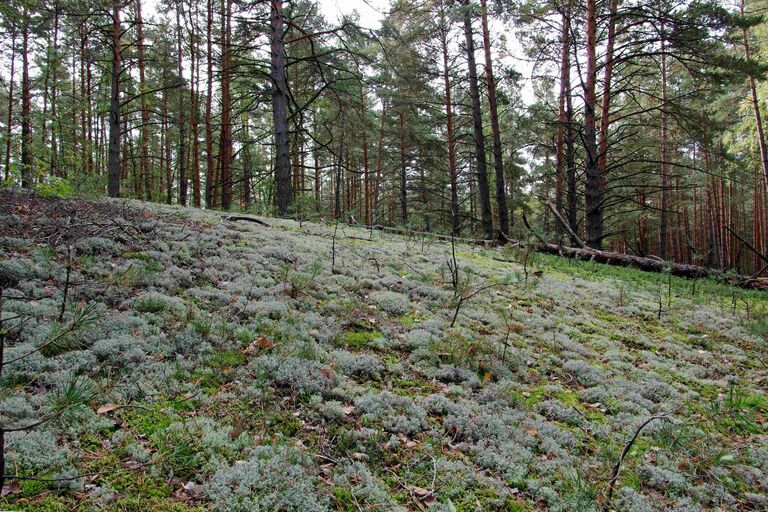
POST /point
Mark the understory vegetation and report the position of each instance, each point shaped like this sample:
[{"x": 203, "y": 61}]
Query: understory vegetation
[{"x": 165, "y": 359}]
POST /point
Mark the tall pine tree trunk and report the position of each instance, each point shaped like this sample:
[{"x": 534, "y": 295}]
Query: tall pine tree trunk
[
  {"x": 664, "y": 204},
  {"x": 498, "y": 161},
  {"x": 562, "y": 118},
  {"x": 605, "y": 106},
  {"x": 113, "y": 165},
  {"x": 9, "y": 127},
  {"x": 54, "y": 156},
  {"x": 593, "y": 189},
  {"x": 755, "y": 106},
  {"x": 181, "y": 160},
  {"x": 194, "y": 76},
  {"x": 452, "y": 174},
  {"x": 379, "y": 163},
  {"x": 26, "y": 105},
  {"x": 403, "y": 175},
  {"x": 474, "y": 93},
  {"x": 225, "y": 146},
  {"x": 280, "y": 110},
  {"x": 209, "y": 185},
  {"x": 144, "y": 132},
  {"x": 367, "y": 181}
]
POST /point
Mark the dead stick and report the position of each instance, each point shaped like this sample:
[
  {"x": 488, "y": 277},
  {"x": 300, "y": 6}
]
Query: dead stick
[
  {"x": 624, "y": 453},
  {"x": 565, "y": 225},
  {"x": 750, "y": 246}
]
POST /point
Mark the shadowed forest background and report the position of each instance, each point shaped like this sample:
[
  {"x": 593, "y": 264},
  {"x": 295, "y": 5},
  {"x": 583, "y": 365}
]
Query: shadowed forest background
[{"x": 643, "y": 128}]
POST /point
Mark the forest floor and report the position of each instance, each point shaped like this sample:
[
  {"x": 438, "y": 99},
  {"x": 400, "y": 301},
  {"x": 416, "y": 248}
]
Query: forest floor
[{"x": 194, "y": 363}]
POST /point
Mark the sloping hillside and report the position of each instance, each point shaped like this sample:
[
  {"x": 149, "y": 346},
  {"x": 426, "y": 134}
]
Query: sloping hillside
[{"x": 179, "y": 362}]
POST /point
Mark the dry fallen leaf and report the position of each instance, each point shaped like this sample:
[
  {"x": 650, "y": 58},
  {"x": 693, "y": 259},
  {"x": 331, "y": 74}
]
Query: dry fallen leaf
[
  {"x": 10, "y": 488},
  {"x": 104, "y": 409},
  {"x": 348, "y": 409},
  {"x": 419, "y": 491},
  {"x": 259, "y": 344}
]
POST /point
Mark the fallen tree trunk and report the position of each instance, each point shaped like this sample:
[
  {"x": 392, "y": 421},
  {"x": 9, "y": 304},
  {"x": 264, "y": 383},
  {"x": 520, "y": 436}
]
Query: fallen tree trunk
[
  {"x": 652, "y": 264},
  {"x": 644, "y": 263},
  {"x": 438, "y": 236},
  {"x": 234, "y": 218}
]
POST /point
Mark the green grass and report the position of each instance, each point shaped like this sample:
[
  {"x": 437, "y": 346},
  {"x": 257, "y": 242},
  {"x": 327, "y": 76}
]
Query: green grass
[
  {"x": 702, "y": 290},
  {"x": 739, "y": 412}
]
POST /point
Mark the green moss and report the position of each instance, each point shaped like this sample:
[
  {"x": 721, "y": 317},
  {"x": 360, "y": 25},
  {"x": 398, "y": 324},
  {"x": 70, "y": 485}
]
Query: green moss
[
  {"x": 44, "y": 504},
  {"x": 114, "y": 474},
  {"x": 33, "y": 487},
  {"x": 142, "y": 256},
  {"x": 283, "y": 422},
  {"x": 609, "y": 317},
  {"x": 411, "y": 388},
  {"x": 151, "y": 504},
  {"x": 150, "y": 304},
  {"x": 227, "y": 358},
  {"x": 148, "y": 421},
  {"x": 216, "y": 371},
  {"x": 411, "y": 319},
  {"x": 531, "y": 397},
  {"x": 359, "y": 339},
  {"x": 567, "y": 397}
]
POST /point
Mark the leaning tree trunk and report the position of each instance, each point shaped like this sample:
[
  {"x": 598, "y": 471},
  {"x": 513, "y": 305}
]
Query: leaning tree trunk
[
  {"x": 280, "y": 110},
  {"x": 477, "y": 118},
  {"x": 756, "y": 106},
  {"x": 113, "y": 165}
]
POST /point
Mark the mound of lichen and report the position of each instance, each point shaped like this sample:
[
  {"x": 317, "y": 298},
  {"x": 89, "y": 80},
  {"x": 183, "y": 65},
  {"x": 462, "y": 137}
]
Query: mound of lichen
[{"x": 169, "y": 360}]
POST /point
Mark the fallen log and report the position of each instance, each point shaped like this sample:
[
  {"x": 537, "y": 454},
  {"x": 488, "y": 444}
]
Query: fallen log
[
  {"x": 629, "y": 260},
  {"x": 247, "y": 219},
  {"x": 652, "y": 264},
  {"x": 437, "y": 236},
  {"x": 644, "y": 263}
]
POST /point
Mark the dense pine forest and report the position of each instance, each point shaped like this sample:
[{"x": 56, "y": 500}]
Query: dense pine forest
[
  {"x": 641, "y": 122},
  {"x": 416, "y": 255}
]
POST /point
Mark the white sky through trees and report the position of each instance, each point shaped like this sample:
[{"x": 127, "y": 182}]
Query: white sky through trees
[{"x": 371, "y": 12}]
